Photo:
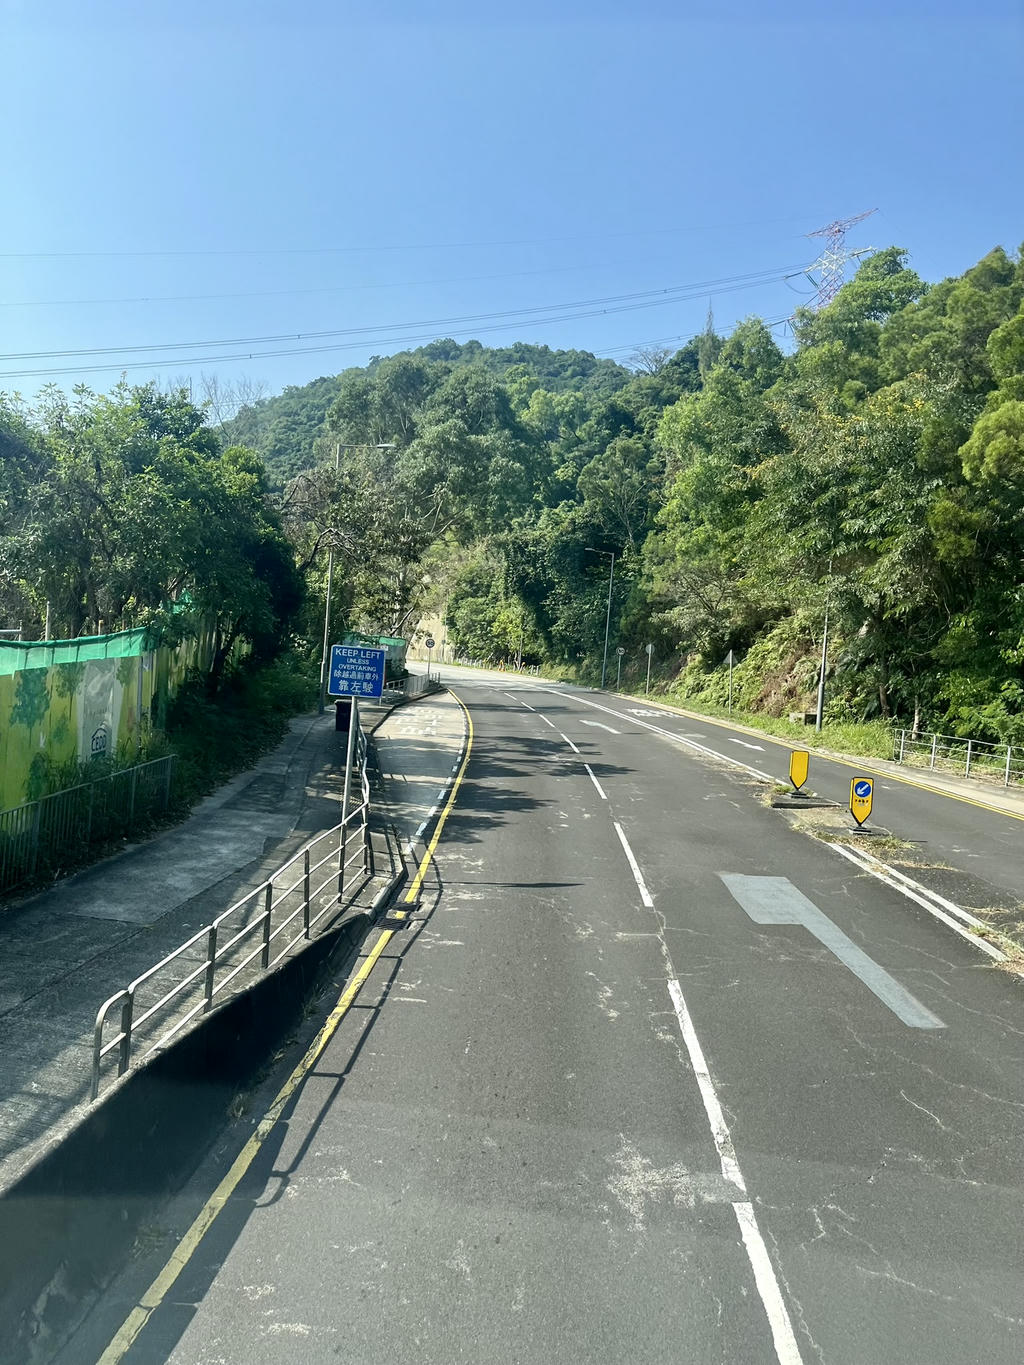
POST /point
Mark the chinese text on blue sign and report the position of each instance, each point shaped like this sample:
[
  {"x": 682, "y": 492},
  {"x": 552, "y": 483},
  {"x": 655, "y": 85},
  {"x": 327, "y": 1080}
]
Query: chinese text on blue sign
[{"x": 356, "y": 672}]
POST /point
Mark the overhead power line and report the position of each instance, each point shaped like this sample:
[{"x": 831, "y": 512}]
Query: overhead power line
[
  {"x": 401, "y": 246},
  {"x": 518, "y": 319},
  {"x": 326, "y": 289},
  {"x": 666, "y": 292}
]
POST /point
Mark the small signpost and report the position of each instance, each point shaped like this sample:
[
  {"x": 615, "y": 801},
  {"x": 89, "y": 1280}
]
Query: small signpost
[
  {"x": 862, "y": 795},
  {"x": 650, "y": 655},
  {"x": 619, "y": 651},
  {"x": 429, "y": 642},
  {"x": 730, "y": 661},
  {"x": 355, "y": 671},
  {"x": 799, "y": 762}
]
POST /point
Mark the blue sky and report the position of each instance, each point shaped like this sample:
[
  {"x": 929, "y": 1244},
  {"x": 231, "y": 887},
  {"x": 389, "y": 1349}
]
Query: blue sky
[{"x": 206, "y": 172}]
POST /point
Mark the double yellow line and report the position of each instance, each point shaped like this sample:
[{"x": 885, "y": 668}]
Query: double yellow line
[{"x": 186, "y": 1248}]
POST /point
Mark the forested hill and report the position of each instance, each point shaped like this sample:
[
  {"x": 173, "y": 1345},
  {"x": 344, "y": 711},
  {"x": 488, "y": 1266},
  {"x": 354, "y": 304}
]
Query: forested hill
[
  {"x": 870, "y": 467},
  {"x": 873, "y": 467},
  {"x": 283, "y": 428}
]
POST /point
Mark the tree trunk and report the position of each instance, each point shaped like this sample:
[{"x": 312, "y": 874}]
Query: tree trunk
[
  {"x": 220, "y": 657},
  {"x": 883, "y": 687}
]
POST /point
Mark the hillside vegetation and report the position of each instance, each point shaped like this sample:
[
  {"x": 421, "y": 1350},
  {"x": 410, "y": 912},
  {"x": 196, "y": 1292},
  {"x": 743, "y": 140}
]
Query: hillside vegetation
[
  {"x": 877, "y": 468},
  {"x": 873, "y": 468}
]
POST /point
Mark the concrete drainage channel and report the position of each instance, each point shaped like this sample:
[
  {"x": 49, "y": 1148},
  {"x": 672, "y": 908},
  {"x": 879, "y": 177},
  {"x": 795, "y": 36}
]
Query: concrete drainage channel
[{"x": 67, "y": 1224}]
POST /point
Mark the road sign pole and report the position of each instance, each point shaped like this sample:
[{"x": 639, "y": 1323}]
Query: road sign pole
[
  {"x": 650, "y": 655},
  {"x": 327, "y": 633},
  {"x": 608, "y": 620},
  {"x": 618, "y": 673},
  {"x": 353, "y": 723},
  {"x": 730, "y": 680}
]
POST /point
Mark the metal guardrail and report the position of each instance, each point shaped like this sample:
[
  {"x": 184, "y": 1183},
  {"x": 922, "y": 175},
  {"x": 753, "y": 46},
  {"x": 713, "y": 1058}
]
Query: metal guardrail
[
  {"x": 975, "y": 758},
  {"x": 414, "y": 685},
  {"x": 43, "y": 836},
  {"x": 157, "y": 1005}
]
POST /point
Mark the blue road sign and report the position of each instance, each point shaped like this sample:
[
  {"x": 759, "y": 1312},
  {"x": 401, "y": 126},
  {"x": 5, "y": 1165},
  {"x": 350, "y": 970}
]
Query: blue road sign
[
  {"x": 862, "y": 787},
  {"x": 356, "y": 671}
]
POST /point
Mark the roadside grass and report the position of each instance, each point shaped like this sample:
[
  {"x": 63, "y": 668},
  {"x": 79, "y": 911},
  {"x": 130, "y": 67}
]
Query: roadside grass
[{"x": 870, "y": 739}]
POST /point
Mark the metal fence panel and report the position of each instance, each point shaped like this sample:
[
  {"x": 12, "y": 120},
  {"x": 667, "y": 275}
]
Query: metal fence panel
[
  {"x": 977, "y": 759},
  {"x": 243, "y": 942},
  {"x": 41, "y": 837}
]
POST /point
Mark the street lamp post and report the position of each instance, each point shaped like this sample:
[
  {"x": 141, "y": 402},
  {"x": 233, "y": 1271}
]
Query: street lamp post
[
  {"x": 339, "y": 446},
  {"x": 608, "y": 614}
]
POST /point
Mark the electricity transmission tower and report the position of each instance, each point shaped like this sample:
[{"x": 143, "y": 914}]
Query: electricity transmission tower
[{"x": 832, "y": 259}]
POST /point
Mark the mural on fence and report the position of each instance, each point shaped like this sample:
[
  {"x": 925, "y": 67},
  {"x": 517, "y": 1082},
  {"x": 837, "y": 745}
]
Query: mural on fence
[{"x": 76, "y": 700}]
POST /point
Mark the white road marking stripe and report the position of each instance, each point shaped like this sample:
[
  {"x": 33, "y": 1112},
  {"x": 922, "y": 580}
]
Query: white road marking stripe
[
  {"x": 746, "y": 745},
  {"x": 570, "y": 743},
  {"x": 668, "y": 734},
  {"x": 600, "y": 790},
  {"x": 601, "y": 726},
  {"x": 719, "y": 1128},
  {"x": 786, "y": 1349},
  {"x": 420, "y": 830},
  {"x": 775, "y": 900},
  {"x": 545, "y": 720},
  {"x": 993, "y": 952},
  {"x": 638, "y": 876},
  {"x": 520, "y": 701},
  {"x": 431, "y": 811}
]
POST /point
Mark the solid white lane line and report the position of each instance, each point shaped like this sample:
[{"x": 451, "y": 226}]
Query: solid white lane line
[
  {"x": 570, "y": 743},
  {"x": 668, "y": 734},
  {"x": 545, "y": 720},
  {"x": 599, "y": 725},
  {"x": 638, "y": 876},
  {"x": 600, "y": 790},
  {"x": 746, "y": 745},
  {"x": 719, "y": 1128},
  {"x": 951, "y": 906},
  {"x": 993, "y": 952},
  {"x": 786, "y": 1349}
]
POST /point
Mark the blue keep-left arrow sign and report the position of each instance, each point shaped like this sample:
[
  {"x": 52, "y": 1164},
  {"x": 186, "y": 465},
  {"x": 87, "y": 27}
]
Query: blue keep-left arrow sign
[{"x": 862, "y": 788}]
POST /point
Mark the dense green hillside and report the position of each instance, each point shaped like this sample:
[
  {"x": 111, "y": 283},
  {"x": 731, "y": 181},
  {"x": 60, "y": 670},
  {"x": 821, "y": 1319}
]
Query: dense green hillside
[
  {"x": 283, "y": 428},
  {"x": 873, "y": 468}
]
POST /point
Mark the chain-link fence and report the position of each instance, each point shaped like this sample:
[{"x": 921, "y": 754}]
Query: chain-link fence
[{"x": 41, "y": 837}]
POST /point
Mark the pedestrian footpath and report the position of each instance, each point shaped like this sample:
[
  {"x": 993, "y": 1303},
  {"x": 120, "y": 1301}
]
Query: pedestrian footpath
[{"x": 69, "y": 948}]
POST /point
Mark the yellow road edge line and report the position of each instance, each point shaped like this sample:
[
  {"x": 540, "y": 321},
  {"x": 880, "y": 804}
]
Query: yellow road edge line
[
  {"x": 863, "y": 765},
  {"x": 413, "y": 891},
  {"x": 129, "y": 1330}
]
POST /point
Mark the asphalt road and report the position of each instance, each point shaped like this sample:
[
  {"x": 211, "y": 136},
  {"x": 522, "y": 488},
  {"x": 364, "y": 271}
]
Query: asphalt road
[{"x": 651, "y": 1076}]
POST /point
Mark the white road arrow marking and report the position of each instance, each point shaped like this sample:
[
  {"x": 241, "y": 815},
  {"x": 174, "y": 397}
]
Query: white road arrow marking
[
  {"x": 746, "y": 745},
  {"x": 775, "y": 900},
  {"x": 599, "y": 726}
]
